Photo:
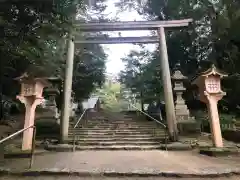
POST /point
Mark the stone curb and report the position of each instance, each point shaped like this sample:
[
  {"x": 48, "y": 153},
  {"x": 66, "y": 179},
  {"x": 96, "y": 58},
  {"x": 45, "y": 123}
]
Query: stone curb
[
  {"x": 65, "y": 172},
  {"x": 24, "y": 154}
]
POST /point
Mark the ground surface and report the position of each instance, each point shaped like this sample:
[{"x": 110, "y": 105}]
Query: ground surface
[
  {"x": 108, "y": 178},
  {"x": 144, "y": 162}
]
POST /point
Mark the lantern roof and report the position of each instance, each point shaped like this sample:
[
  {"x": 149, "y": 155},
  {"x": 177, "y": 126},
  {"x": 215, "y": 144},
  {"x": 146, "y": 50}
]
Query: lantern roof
[
  {"x": 213, "y": 71},
  {"x": 178, "y": 75},
  {"x": 26, "y": 77}
]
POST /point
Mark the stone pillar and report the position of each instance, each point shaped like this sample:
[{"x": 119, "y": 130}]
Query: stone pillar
[
  {"x": 67, "y": 91},
  {"x": 214, "y": 118},
  {"x": 30, "y": 107},
  {"x": 167, "y": 86}
]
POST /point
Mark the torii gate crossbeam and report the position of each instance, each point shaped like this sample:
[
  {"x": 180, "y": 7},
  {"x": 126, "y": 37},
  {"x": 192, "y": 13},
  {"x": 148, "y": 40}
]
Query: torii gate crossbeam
[
  {"x": 123, "y": 26},
  {"x": 131, "y": 25},
  {"x": 118, "y": 40}
]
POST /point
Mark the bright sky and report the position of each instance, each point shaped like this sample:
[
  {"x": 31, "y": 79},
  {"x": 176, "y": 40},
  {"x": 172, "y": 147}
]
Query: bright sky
[{"x": 117, "y": 51}]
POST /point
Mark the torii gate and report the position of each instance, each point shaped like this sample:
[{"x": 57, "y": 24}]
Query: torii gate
[{"x": 159, "y": 26}]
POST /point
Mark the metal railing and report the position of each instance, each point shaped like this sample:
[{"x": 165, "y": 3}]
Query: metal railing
[
  {"x": 33, "y": 141},
  {"x": 158, "y": 122},
  {"x": 75, "y": 126}
]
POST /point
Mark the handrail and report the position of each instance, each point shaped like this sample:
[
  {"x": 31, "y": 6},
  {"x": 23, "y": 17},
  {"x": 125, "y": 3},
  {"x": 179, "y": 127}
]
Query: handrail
[
  {"x": 80, "y": 119},
  {"x": 149, "y": 116},
  {"x": 74, "y": 134},
  {"x": 165, "y": 127},
  {"x": 33, "y": 141}
]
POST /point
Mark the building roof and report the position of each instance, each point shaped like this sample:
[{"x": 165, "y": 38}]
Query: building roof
[{"x": 90, "y": 103}]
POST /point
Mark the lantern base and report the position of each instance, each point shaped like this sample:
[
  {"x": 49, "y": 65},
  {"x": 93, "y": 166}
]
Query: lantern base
[{"x": 189, "y": 127}]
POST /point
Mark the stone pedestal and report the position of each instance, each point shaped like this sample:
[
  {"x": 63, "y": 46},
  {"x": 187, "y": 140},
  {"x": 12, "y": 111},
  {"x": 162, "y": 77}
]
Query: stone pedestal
[
  {"x": 50, "y": 109},
  {"x": 30, "y": 106},
  {"x": 50, "y": 112}
]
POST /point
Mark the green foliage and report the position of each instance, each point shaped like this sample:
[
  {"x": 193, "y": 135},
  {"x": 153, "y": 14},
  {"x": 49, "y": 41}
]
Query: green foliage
[
  {"x": 226, "y": 120},
  {"x": 34, "y": 39},
  {"x": 212, "y": 38},
  {"x": 141, "y": 75},
  {"x": 89, "y": 71},
  {"x": 110, "y": 96}
]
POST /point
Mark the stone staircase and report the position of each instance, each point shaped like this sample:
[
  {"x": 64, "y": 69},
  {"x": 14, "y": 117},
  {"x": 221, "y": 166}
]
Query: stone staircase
[{"x": 117, "y": 132}]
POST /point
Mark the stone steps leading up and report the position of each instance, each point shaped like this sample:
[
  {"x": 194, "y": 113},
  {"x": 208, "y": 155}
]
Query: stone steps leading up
[
  {"x": 112, "y": 136},
  {"x": 126, "y": 133},
  {"x": 113, "y": 147},
  {"x": 105, "y": 124},
  {"x": 114, "y": 128},
  {"x": 131, "y": 131},
  {"x": 118, "y": 142},
  {"x": 109, "y": 139}
]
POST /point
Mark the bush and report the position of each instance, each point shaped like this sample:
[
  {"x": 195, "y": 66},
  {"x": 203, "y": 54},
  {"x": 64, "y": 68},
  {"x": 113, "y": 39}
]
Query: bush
[{"x": 227, "y": 121}]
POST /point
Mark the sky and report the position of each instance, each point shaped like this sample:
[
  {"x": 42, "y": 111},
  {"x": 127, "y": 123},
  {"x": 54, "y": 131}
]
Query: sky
[{"x": 117, "y": 51}]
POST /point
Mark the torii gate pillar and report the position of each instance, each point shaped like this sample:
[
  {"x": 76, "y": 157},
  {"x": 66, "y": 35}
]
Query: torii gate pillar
[{"x": 167, "y": 86}]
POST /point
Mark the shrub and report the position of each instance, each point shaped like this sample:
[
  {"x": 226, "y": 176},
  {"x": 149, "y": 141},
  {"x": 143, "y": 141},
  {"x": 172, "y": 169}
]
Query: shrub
[{"x": 227, "y": 121}]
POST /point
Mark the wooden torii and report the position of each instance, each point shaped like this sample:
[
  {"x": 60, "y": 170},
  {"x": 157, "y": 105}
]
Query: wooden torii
[{"x": 159, "y": 26}]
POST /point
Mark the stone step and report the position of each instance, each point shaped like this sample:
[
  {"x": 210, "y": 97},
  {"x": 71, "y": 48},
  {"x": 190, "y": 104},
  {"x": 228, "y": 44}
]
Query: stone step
[
  {"x": 121, "y": 122},
  {"x": 113, "y": 143},
  {"x": 110, "y": 133},
  {"x": 115, "y": 147},
  {"x": 116, "y": 122},
  {"x": 109, "y": 139},
  {"x": 113, "y": 128},
  {"x": 97, "y": 136},
  {"x": 116, "y": 130}
]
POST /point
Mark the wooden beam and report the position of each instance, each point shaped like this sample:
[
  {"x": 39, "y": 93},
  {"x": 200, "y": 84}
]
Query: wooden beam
[
  {"x": 118, "y": 40},
  {"x": 131, "y": 25}
]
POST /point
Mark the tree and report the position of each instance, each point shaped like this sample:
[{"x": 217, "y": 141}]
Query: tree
[
  {"x": 212, "y": 38},
  {"x": 110, "y": 95},
  {"x": 141, "y": 75},
  {"x": 33, "y": 40}
]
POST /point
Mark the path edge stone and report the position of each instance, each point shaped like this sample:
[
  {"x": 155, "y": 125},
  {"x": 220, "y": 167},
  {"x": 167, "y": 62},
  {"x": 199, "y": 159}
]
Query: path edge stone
[{"x": 59, "y": 172}]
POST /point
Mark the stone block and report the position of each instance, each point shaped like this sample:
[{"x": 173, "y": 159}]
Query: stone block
[
  {"x": 219, "y": 152},
  {"x": 188, "y": 128},
  {"x": 231, "y": 135}
]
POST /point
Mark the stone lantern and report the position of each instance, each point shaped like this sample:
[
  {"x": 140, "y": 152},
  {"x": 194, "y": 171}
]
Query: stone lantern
[
  {"x": 182, "y": 113},
  {"x": 30, "y": 96},
  {"x": 209, "y": 84},
  {"x": 51, "y": 93}
]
